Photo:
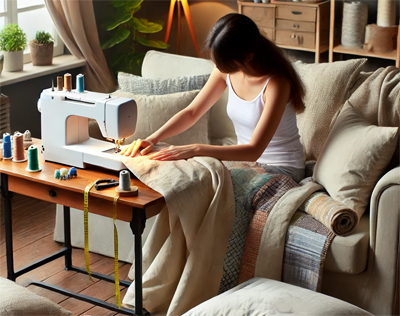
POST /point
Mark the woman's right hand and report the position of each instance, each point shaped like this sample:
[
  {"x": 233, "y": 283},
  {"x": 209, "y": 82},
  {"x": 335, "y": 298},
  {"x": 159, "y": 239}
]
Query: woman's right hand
[{"x": 132, "y": 149}]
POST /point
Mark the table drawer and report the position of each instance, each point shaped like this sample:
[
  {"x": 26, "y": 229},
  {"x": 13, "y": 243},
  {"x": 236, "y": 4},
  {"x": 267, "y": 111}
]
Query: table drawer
[
  {"x": 295, "y": 25},
  {"x": 262, "y": 16},
  {"x": 296, "y": 13},
  {"x": 296, "y": 39},
  {"x": 268, "y": 33}
]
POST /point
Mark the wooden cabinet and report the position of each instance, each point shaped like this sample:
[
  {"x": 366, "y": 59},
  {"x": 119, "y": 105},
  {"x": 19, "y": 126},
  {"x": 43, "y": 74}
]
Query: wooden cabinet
[
  {"x": 292, "y": 25},
  {"x": 336, "y": 47}
]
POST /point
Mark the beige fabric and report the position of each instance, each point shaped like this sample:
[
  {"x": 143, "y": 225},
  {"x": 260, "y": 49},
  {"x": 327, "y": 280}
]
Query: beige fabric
[
  {"x": 184, "y": 254},
  {"x": 327, "y": 87},
  {"x": 264, "y": 297},
  {"x": 335, "y": 215},
  {"x": 155, "y": 110},
  {"x": 76, "y": 23},
  {"x": 378, "y": 100},
  {"x": 163, "y": 65},
  {"x": 15, "y": 300},
  {"x": 354, "y": 156}
]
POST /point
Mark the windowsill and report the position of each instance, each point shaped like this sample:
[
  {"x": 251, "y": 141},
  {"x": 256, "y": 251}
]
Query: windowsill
[{"x": 60, "y": 63}]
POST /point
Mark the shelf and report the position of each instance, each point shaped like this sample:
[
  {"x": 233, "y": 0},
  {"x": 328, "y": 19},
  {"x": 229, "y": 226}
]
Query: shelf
[
  {"x": 60, "y": 63},
  {"x": 323, "y": 49},
  {"x": 359, "y": 51}
]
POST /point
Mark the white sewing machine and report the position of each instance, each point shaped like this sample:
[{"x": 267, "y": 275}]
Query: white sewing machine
[{"x": 65, "y": 127}]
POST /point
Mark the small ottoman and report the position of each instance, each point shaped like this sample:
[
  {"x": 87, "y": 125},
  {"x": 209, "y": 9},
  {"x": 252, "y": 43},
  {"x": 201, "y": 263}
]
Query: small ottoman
[{"x": 260, "y": 296}]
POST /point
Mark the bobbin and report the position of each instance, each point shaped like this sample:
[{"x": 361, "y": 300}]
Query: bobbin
[
  {"x": 33, "y": 149},
  {"x": 125, "y": 188}
]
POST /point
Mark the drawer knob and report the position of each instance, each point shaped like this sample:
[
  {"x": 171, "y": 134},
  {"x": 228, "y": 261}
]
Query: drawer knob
[
  {"x": 296, "y": 26},
  {"x": 297, "y": 12},
  {"x": 52, "y": 193},
  {"x": 293, "y": 36}
]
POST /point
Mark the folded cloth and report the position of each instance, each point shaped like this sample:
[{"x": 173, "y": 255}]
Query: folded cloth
[
  {"x": 335, "y": 215},
  {"x": 183, "y": 256}
]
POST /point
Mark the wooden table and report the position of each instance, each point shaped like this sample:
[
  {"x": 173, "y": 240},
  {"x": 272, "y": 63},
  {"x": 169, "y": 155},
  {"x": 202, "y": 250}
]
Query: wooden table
[{"x": 70, "y": 193}]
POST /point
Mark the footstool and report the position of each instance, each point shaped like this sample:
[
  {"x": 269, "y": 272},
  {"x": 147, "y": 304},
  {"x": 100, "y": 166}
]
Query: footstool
[{"x": 260, "y": 296}]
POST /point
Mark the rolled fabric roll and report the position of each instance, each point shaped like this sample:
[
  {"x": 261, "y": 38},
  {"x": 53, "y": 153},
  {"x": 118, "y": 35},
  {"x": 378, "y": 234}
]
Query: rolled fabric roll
[
  {"x": 335, "y": 215},
  {"x": 355, "y": 19}
]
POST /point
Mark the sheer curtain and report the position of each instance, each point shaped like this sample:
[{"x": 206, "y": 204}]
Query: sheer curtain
[{"x": 75, "y": 22}]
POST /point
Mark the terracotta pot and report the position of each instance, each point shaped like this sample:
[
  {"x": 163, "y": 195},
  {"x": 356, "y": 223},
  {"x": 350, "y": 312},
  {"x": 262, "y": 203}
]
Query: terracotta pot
[
  {"x": 41, "y": 54},
  {"x": 14, "y": 61}
]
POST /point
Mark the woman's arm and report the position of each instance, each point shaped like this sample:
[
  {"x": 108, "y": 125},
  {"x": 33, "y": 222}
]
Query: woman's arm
[{"x": 276, "y": 96}]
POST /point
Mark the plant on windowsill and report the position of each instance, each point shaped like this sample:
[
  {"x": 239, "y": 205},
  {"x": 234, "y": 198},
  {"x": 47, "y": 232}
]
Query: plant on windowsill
[
  {"x": 130, "y": 37},
  {"x": 42, "y": 49},
  {"x": 13, "y": 43}
]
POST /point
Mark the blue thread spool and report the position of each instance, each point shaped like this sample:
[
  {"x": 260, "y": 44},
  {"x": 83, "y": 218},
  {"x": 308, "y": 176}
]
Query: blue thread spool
[
  {"x": 33, "y": 159},
  {"x": 80, "y": 83},
  {"x": 7, "y": 154}
]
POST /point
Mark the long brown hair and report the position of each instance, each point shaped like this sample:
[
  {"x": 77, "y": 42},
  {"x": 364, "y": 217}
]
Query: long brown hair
[{"x": 235, "y": 37}]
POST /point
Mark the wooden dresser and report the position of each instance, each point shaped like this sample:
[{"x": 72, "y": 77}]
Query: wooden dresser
[{"x": 292, "y": 25}]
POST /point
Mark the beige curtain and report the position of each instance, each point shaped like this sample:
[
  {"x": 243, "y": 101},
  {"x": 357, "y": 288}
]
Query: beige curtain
[{"x": 75, "y": 22}]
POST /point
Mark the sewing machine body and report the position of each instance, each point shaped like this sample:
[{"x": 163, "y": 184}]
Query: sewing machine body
[{"x": 65, "y": 127}]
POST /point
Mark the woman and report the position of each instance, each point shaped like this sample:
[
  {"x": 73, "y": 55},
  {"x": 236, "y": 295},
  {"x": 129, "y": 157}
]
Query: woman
[{"x": 264, "y": 95}]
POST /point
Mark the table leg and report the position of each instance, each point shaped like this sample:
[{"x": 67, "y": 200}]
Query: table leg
[
  {"x": 67, "y": 238},
  {"x": 7, "y": 195},
  {"x": 137, "y": 225}
]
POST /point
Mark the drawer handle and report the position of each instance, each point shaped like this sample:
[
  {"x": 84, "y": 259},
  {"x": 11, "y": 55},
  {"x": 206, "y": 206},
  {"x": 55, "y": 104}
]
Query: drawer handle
[
  {"x": 297, "y": 12},
  {"x": 52, "y": 193}
]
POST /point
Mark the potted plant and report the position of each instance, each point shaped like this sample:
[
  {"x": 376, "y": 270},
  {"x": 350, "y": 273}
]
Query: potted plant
[
  {"x": 42, "y": 49},
  {"x": 13, "y": 43}
]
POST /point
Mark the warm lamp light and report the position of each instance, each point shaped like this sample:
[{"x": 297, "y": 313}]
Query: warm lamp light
[{"x": 185, "y": 6}]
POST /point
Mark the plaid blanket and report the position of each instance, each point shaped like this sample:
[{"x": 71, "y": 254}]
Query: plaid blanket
[{"x": 307, "y": 240}]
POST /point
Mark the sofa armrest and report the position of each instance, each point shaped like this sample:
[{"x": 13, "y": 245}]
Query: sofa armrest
[{"x": 385, "y": 204}]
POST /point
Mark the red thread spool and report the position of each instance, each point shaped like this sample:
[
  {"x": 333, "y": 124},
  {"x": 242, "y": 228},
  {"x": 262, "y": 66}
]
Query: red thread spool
[{"x": 18, "y": 147}]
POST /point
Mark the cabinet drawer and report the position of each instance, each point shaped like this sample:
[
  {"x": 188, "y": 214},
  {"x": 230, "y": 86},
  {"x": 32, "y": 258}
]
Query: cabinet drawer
[
  {"x": 268, "y": 33},
  {"x": 297, "y": 13},
  {"x": 296, "y": 39},
  {"x": 295, "y": 25},
  {"x": 262, "y": 16}
]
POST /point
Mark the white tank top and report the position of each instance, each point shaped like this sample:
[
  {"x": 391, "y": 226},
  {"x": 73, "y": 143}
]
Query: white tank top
[{"x": 284, "y": 148}]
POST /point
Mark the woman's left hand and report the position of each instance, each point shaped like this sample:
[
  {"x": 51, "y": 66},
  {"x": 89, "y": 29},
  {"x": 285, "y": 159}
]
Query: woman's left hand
[{"x": 174, "y": 153}]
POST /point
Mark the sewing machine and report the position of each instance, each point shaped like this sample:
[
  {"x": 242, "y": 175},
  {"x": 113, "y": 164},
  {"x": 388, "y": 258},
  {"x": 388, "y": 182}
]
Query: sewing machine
[{"x": 65, "y": 127}]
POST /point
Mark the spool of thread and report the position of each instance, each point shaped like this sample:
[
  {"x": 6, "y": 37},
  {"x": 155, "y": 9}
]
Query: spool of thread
[
  {"x": 33, "y": 159},
  {"x": 60, "y": 83},
  {"x": 80, "y": 83},
  {"x": 125, "y": 188},
  {"x": 67, "y": 82},
  {"x": 124, "y": 180},
  {"x": 355, "y": 19},
  {"x": 7, "y": 152},
  {"x": 18, "y": 147},
  {"x": 386, "y": 13}
]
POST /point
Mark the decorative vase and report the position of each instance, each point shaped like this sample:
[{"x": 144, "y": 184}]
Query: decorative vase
[
  {"x": 14, "y": 61},
  {"x": 41, "y": 54}
]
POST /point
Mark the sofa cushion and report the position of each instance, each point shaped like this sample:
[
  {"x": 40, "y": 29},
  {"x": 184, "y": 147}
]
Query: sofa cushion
[
  {"x": 152, "y": 86},
  {"x": 353, "y": 158},
  {"x": 155, "y": 110},
  {"x": 349, "y": 254},
  {"x": 16, "y": 300},
  {"x": 260, "y": 296},
  {"x": 327, "y": 87},
  {"x": 163, "y": 65}
]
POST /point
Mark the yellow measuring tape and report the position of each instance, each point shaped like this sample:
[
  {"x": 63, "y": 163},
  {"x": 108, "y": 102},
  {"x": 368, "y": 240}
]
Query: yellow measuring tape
[
  {"x": 86, "y": 228},
  {"x": 116, "y": 274}
]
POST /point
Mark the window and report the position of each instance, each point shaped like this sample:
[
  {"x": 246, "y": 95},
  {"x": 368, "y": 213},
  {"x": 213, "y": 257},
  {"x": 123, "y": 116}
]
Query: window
[{"x": 31, "y": 16}]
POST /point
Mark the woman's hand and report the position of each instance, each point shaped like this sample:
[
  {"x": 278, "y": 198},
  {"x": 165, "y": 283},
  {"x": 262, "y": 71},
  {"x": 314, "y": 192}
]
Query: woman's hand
[
  {"x": 135, "y": 146},
  {"x": 174, "y": 153}
]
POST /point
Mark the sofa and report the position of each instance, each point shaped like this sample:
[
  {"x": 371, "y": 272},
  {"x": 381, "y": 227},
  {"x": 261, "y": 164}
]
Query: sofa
[{"x": 362, "y": 267}]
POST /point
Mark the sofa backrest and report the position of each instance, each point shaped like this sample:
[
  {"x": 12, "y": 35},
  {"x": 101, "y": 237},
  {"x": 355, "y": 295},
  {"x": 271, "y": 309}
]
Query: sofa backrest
[{"x": 164, "y": 65}]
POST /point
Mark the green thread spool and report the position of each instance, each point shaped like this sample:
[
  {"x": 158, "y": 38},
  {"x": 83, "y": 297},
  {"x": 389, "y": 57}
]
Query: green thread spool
[{"x": 33, "y": 159}]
